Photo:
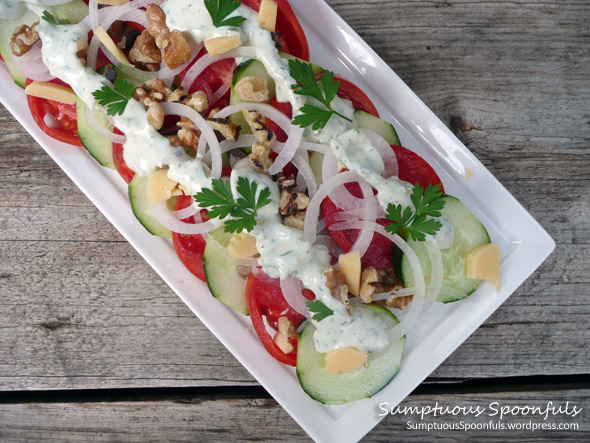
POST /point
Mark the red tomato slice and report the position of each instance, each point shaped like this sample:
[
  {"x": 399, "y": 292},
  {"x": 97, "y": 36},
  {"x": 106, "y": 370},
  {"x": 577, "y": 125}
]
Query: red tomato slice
[
  {"x": 63, "y": 114},
  {"x": 347, "y": 91},
  {"x": 124, "y": 171},
  {"x": 266, "y": 298},
  {"x": 413, "y": 169},
  {"x": 189, "y": 248},
  {"x": 293, "y": 38}
]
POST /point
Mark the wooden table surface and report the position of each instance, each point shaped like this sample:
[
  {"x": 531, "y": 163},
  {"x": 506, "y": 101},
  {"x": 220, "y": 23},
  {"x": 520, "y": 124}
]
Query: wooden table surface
[{"x": 93, "y": 345}]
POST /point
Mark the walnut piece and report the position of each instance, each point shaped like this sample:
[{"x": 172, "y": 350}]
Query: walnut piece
[
  {"x": 145, "y": 53},
  {"x": 292, "y": 202},
  {"x": 260, "y": 156},
  {"x": 284, "y": 182},
  {"x": 177, "y": 51},
  {"x": 154, "y": 90},
  {"x": 178, "y": 95},
  {"x": 368, "y": 277},
  {"x": 23, "y": 38},
  {"x": 198, "y": 101},
  {"x": 82, "y": 53},
  {"x": 189, "y": 137},
  {"x": 155, "y": 115},
  {"x": 295, "y": 221},
  {"x": 336, "y": 283},
  {"x": 228, "y": 129},
  {"x": 252, "y": 89},
  {"x": 256, "y": 122},
  {"x": 157, "y": 27}
]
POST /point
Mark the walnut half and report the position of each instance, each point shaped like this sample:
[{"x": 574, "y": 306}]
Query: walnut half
[{"x": 23, "y": 38}]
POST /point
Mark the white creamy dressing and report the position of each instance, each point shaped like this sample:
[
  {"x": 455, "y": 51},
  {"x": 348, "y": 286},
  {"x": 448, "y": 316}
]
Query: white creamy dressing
[
  {"x": 10, "y": 9},
  {"x": 283, "y": 250},
  {"x": 192, "y": 18}
]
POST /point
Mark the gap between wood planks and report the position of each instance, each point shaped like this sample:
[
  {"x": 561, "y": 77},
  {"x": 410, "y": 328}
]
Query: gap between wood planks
[{"x": 434, "y": 386}]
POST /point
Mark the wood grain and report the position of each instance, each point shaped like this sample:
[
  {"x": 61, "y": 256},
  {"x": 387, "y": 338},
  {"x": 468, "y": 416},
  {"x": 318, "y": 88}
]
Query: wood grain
[
  {"x": 81, "y": 310},
  {"x": 215, "y": 419}
]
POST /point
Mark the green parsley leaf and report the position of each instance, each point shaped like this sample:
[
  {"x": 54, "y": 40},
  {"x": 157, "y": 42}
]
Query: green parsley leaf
[
  {"x": 420, "y": 222},
  {"x": 221, "y": 203},
  {"x": 307, "y": 85},
  {"x": 318, "y": 309},
  {"x": 115, "y": 100},
  {"x": 49, "y": 18},
  {"x": 220, "y": 9}
]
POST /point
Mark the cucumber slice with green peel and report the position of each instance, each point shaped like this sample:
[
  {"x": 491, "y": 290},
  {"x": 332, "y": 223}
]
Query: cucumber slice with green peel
[
  {"x": 468, "y": 233},
  {"x": 98, "y": 147},
  {"x": 315, "y": 163},
  {"x": 139, "y": 199},
  {"x": 247, "y": 68},
  {"x": 7, "y": 27},
  {"x": 223, "y": 278},
  {"x": 363, "y": 382},
  {"x": 316, "y": 69},
  {"x": 375, "y": 124},
  {"x": 74, "y": 11}
]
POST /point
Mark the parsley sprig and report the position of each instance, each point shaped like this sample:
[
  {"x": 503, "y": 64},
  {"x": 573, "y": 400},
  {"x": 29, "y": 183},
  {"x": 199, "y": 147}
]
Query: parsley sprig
[
  {"x": 115, "y": 99},
  {"x": 418, "y": 223},
  {"x": 221, "y": 202},
  {"x": 318, "y": 309},
  {"x": 220, "y": 9},
  {"x": 49, "y": 18},
  {"x": 307, "y": 85}
]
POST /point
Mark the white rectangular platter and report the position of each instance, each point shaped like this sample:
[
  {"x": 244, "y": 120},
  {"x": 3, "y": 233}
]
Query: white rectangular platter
[{"x": 440, "y": 330}]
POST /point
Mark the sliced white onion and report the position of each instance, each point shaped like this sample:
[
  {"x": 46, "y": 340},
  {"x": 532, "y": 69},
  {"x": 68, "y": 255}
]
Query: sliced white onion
[
  {"x": 206, "y": 60},
  {"x": 387, "y": 154},
  {"x": 206, "y": 132},
  {"x": 317, "y": 147},
  {"x": 329, "y": 243},
  {"x": 354, "y": 214},
  {"x": 187, "y": 212},
  {"x": 413, "y": 312},
  {"x": 267, "y": 110},
  {"x": 292, "y": 288},
  {"x": 31, "y": 65},
  {"x": 367, "y": 230},
  {"x": 437, "y": 272},
  {"x": 166, "y": 218},
  {"x": 288, "y": 151},
  {"x": 242, "y": 141},
  {"x": 313, "y": 210},
  {"x": 341, "y": 196},
  {"x": 93, "y": 13},
  {"x": 101, "y": 130},
  {"x": 221, "y": 91}
]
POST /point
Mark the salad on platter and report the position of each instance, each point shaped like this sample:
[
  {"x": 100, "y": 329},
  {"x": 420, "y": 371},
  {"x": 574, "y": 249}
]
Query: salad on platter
[{"x": 276, "y": 180}]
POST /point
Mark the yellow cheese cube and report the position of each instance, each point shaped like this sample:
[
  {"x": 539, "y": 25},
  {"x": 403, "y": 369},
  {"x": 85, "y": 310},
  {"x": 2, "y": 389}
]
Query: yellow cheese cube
[
  {"x": 282, "y": 342},
  {"x": 242, "y": 245},
  {"x": 51, "y": 91},
  {"x": 345, "y": 360},
  {"x": 267, "y": 15},
  {"x": 350, "y": 266},
  {"x": 160, "y": 187},
  {"x": 221, "y": 45},
  {"x": 104, "y": 38},
  {"x": 483, "y": 263}
]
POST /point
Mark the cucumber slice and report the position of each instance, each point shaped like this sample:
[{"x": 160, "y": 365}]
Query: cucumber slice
[
  {"x": 98, "y": 147},
  {"x": 247, "y": 68},
  {"x": 468, "y": 234},
  {"x": 7, "y": 27},
  {"x": 316, "y": 69},
  {"x": 375, "y": 124},
  {"x": 224, "y": 281},
  {"x": 363, "y": 382},
  {"x": 74, "y": 11},
  {"x": 139, "y": 198}
]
